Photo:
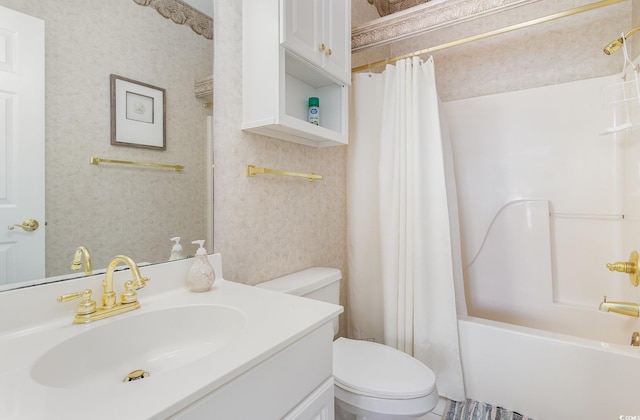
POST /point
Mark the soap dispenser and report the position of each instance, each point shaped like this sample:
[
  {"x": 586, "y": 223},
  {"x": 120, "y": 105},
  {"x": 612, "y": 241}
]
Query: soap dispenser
[
  {"x": 201, "y": 275},
  {"x": 176, "y": 250}
]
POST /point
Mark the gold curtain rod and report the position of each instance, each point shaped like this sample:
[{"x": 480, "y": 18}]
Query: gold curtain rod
[
  {"x": 253, "y": 171},
  {"x": 555, "y": 16},
  {"x": 97, "y": 160}
]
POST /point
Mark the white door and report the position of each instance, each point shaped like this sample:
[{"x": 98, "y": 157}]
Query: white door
[{"x": 21, "y": 146}]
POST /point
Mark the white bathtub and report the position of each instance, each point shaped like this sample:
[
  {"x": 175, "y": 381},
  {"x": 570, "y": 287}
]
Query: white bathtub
[{"x": 549, "y": 376}]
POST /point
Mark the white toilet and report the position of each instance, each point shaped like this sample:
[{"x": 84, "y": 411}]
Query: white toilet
[{"x": 371, "y": 381}]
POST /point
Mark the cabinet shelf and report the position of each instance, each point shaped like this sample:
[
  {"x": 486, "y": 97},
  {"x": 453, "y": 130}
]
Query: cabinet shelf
[
  {"x": 277, "y": 85},
  {"x": 288, "y": 120}
]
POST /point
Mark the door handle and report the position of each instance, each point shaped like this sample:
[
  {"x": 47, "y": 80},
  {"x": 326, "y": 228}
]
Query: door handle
[{"x": 28, "y": 225}]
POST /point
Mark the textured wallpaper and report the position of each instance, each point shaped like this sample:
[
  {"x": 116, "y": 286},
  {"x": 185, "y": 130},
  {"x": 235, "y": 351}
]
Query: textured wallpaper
[
  {"x": 114, "y": 209},
  {"x": 268, "y": 226},
  {"x": 362, "y": 11}
]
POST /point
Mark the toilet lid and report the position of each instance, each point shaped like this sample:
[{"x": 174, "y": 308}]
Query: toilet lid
[{"x": 381, "y": 371}]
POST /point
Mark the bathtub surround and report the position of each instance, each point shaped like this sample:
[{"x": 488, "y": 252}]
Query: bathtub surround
[
  {"x": 541, "y": 222},
  {"x": 403, "y": 247}
]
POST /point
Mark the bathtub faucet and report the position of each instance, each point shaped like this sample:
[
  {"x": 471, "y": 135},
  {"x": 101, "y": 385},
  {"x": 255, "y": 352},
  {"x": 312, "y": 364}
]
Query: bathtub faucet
[{"x": 624, "y": 308}]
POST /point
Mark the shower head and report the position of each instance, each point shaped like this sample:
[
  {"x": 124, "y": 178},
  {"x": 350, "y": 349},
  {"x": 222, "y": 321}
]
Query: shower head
[{"x": 615, "y": 45}]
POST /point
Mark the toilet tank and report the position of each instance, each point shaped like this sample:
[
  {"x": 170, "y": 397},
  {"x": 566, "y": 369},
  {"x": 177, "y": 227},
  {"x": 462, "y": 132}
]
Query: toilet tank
[{"x": 319, "y": 283}]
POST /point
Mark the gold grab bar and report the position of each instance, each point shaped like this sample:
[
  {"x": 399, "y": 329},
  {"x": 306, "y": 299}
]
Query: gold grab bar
[
  {"x": 253, "y": 171},
  {"x": 97, "y": 160},
  {"x": 488, "y": 34}
]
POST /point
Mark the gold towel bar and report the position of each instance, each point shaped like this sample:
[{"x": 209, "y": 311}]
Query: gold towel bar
[
  {"x": 252, "y": 171},
  {"x": 97, "y": 160}
]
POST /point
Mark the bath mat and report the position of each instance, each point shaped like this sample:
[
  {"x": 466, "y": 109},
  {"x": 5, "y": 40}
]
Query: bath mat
[{"x": 475, "y": 410}]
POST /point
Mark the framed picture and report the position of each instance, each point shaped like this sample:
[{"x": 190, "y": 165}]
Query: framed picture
[{"x": 137, "y": 114}]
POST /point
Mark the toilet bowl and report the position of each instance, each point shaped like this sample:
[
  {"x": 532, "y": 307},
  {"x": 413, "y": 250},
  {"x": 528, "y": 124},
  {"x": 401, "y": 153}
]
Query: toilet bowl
[{"x": 371, "y": 381}]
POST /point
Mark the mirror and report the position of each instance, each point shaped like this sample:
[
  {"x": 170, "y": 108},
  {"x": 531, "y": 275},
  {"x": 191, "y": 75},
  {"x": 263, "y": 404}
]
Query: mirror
[{"x": 109, "y": 208}]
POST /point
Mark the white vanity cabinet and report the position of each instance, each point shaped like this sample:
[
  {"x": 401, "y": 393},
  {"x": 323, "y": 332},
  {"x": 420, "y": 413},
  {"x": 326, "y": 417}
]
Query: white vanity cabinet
[
  {"x": 294, "y": 384},
  {"x": 319, "y": 31},
  {"x": 283, "y": 65},
  {"x": 248, "y": 353}
]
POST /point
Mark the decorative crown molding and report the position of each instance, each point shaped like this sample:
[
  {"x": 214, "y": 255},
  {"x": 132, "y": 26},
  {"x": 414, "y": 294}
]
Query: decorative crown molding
[
  {"x": 204, "y": 87},
  {"x": 182, "y": 14},
  {"x": 424, "y": 18}
]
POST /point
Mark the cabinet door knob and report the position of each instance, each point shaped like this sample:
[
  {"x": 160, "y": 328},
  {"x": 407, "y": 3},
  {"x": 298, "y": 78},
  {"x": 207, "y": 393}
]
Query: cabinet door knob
[
  {"x": 329, "y": 52},
  {"x": 322, "y": 47}
]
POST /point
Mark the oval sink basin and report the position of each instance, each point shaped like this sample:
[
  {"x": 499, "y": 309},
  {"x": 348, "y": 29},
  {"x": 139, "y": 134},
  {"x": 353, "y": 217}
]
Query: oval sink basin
[{"x": 154, "y": 342}]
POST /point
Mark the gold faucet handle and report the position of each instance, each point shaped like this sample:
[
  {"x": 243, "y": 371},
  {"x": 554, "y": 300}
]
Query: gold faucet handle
[
  {"x": 622, "y": 267},
  {"x": 86, "y": 305},
  {"x": 140, "y": 282},
  {"x": 630, "y": 267},
  {"x": 129, "y": 295}
]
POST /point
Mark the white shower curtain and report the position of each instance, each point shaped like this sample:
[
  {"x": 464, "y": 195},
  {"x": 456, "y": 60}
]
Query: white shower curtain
[{"x": 404, "y": 250}]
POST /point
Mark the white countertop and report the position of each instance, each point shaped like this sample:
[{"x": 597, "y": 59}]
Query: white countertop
[{"x": 273, "y": 322}]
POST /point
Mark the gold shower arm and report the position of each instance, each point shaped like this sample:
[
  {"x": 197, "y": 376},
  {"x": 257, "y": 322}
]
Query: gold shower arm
[{"x": 252, "y": 171}]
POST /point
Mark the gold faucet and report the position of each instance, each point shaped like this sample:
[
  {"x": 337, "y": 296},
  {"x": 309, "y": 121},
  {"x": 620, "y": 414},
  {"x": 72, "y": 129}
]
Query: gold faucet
[
  {"x": 88, "y": 311},
  {"x": 82, "y": 254},
  {"x": 624, "y": 308}
]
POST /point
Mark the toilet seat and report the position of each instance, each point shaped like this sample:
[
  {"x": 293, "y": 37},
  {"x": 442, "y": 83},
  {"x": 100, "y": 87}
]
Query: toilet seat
[{"x": 375, "y": 370}]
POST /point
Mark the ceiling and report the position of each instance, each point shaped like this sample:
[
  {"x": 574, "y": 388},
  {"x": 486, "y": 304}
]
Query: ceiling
[
  {"x": 205, "y": 6},
  {"x": 384, "y": 7},
  {"x": 387, "y": 7}
]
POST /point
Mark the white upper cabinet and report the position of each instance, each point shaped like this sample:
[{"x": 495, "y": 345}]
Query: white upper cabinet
[
  {"x": 293, "y": 50},
  {"x": 319, "y": 31}
]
